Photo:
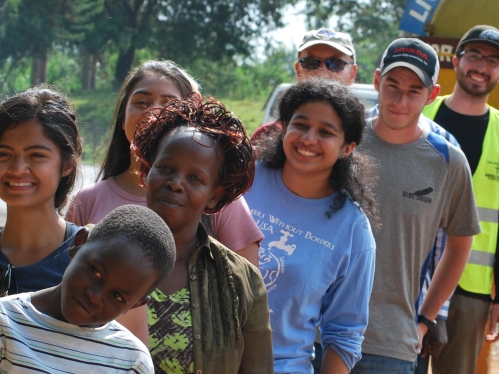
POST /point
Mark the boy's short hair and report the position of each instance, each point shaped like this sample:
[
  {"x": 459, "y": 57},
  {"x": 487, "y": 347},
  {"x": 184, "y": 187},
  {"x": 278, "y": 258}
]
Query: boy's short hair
[{"x": 143, "y": 227}]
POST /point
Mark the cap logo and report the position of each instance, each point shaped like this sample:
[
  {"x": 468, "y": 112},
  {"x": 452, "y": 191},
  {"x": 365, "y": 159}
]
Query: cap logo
[
  {"x": 325, "y": 34},
  {"x": 413, "y": 51},
  {"x": 489, "y": 34}
]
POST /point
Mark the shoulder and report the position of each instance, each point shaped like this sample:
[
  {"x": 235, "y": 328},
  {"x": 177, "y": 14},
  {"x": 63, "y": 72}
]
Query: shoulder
[
  {"x": 457, "y": 157},
  {"x": 263, "y": 175},
  {"x": 73, "y": 229},
  {"x": 116, "y": 331},
  {"x": 238, "y": 206},
  {"x": 439, "y": 130},
  {"x": 431, "y": 109},
  {"x": 454, "y": 157},
  {"x": 14, "y": 305},
  {"x": 124, "y": 340},
  {"x": 360, "y": 226},
  {"x": 372, "y": 112},
  {"x": 265, "y": 130},
  {"x": 494, "y": 112},
  {"x": 116, "y": 344},
  {"x": 263, "y": 171},
  {"x": 237, "y": 267},
  {"x": 92, "y": 190},
  {"x": 448, "y": 151}
]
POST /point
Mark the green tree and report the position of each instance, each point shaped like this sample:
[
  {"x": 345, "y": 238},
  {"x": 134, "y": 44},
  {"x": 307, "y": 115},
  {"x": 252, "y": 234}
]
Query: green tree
[
  {"x": 183, "y": 32},
  {"x": 373, "y": 24},
  {"x": 29, "y": 29}
]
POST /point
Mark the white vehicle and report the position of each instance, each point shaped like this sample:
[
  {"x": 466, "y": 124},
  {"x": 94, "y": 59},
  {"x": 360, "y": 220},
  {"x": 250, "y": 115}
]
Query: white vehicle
[{"x": 366, "y": 92}]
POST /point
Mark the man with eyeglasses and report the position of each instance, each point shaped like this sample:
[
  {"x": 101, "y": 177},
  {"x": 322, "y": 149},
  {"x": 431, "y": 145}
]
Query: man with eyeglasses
[
  {"x": 323, "y": 53},
  {"x": 475, "y": 125}
]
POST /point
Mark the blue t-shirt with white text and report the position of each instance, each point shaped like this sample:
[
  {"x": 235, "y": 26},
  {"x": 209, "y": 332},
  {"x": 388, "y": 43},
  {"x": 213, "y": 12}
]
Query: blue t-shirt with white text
[{"x": 316, "y": 270}]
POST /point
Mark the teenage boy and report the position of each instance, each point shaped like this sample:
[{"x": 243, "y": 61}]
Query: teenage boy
[
  {"x": 70, "y": 328},
  {"x": 467, "y": 116},
  {"x": 424, "y": 184}
]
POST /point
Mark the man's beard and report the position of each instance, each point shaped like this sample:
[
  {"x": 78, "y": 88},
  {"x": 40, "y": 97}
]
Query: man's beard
[{"x": 472, "y": 89}]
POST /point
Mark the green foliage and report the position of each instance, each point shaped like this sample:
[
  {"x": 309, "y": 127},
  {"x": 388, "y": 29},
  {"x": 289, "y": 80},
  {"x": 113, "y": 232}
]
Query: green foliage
[
  {"x": 211, "y": 29},
  {"x": 249, "y": 111},
  {"x": 249, "y": 80},
  {"x": 95, "y": 110},
  {"x": 29, "y": 29},
  {"x": 212, "y": 39},
  {"x": 15, "y": 74},
  {"x": 373, "y": 24},
  {"x": 63, "y": 70}
]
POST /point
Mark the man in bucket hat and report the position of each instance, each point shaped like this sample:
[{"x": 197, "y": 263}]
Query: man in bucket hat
[
  {"x": 424, "y": 184},
  {"x": 467, "y": 116}
]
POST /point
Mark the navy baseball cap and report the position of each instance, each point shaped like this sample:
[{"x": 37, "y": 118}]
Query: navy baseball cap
[
  {"x": 413, "y": 54},
  {"x": 480, "y": 34}
]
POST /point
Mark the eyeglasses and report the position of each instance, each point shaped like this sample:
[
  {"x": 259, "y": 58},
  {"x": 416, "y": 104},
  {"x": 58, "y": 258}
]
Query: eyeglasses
[
  {"x": 475, "y": 56},
  {"x": 333, "y": 63},
  {"x": 5, "y": 279}
]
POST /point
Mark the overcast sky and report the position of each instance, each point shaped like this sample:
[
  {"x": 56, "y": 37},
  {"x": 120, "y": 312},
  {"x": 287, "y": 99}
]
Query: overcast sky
[{"x": 293, "y": 31}]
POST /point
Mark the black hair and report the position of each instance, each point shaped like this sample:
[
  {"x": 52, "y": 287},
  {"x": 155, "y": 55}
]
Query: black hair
[
  {"x": 55, "y": 112},
  {"x": 117, "y": 158},
  {"x": 144, "y": 228},
  {"x": 352, "y": 176}
]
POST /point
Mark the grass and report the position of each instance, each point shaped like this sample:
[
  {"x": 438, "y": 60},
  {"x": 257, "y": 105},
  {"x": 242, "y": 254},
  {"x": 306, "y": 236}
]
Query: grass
[
  {"x": 95, "y": 110},
  {"x": 250, "y": 112}
]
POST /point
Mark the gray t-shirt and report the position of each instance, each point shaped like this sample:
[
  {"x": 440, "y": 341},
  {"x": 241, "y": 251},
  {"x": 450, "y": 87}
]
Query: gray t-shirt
[{"x": 422, "y": 186}]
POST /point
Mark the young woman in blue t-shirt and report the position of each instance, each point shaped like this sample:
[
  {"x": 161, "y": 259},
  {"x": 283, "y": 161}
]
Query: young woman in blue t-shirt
[{"x": 310, "y": 193}]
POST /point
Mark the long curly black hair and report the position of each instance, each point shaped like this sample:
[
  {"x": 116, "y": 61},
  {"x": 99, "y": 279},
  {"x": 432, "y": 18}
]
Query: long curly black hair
[
  {"x": 352, "y": 176},
  {"x": 210, "y": 117}
]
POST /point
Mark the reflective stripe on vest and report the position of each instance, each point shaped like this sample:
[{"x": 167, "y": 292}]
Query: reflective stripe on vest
[
  {"x": 488, "y": 215},
  {"x": 481, "y": 258},
  {"x": 478, "y": 273}
]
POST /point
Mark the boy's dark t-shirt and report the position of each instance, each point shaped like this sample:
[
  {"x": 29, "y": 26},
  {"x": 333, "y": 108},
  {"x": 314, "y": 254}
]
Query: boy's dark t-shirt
[
  {"x": 468, "y": 130},
  {"x": 45, "y": 273}
]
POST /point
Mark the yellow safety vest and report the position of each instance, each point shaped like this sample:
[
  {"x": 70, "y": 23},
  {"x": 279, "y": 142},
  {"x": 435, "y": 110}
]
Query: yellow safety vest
[{"x": 478, "y": 273}]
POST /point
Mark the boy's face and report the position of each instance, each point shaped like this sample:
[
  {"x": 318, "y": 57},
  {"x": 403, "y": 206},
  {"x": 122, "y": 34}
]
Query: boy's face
[{"x": 104, "y": 280}]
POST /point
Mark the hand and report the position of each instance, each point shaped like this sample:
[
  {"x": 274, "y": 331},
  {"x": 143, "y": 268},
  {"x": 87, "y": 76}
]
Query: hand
[
  {"x": 425, "y": 349},
  {"x": 438, "y": 338},
  {"x": 494, "y": 319},
  {"x": 422, "y": 330}
]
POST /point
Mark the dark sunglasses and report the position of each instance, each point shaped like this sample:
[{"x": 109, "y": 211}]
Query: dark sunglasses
[
  {"x": 5, "y": 279},
  {"x": 333, "y": 63}
]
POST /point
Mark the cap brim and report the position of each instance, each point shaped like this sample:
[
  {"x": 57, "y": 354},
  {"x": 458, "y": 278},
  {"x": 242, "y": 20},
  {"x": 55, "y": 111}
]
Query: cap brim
[
  {"x": 337, "y": 46},
  {"x": 478, "y": 40},
  {"x": 425, "y": 78}
]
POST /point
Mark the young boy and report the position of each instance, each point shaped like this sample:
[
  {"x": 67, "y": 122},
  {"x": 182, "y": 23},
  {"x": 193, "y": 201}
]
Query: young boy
[{"x": 70, "y": 328}]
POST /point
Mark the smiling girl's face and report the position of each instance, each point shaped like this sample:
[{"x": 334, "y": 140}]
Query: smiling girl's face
[
  {"x": 314, "y": 140},
  {"x": 183, "y": 178},
  {"x": 30, "y": 166},
  {"x": 152, "y": 91}
]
